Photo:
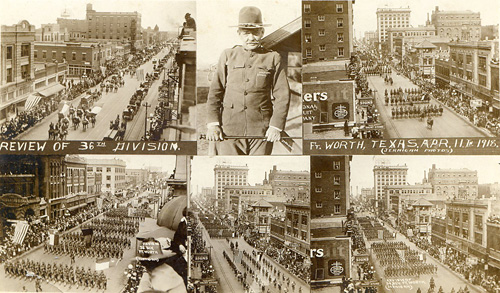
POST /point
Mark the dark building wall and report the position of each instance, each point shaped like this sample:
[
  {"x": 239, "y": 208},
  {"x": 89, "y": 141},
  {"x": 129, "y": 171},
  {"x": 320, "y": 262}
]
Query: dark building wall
[{"x": 329, "y": 186}]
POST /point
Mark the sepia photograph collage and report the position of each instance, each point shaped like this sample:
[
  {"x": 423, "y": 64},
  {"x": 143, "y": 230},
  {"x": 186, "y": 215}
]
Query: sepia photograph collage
[{"x": 250, "y": 146}]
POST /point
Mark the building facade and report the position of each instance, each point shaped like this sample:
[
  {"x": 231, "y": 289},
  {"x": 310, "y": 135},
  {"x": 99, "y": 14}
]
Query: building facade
[
  {"x": 453, "y": 183},
  {"x": 82, "y": 58},
  {"x": 288, "y": 185},
  {"x": 385, "y": 174},
  {"x": 327, "y": 30},
  {"x": 388, "y": 18},
  {"x": 238, "y": 198},
  {"x": 228, "y": 175},
  {"x": 124, "y": 26},
  {"x": 112, "y": 172},
  {"x": 17, "y": 67},
  {"x": 76, "y": 28},
  {"x": 457, "y": 25},
  {"x": 76, "y": 184},
  {"x": 52, "y": 32},
  {"x": 474, "y": 72}
]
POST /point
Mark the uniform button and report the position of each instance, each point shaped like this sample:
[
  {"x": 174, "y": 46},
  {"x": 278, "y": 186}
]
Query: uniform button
[
  {"x": 249, "y": 66},
  {"x": 245, "y": 107},
  {"x": 245, "y": 93},
  {"x": 247, "y": 80}
]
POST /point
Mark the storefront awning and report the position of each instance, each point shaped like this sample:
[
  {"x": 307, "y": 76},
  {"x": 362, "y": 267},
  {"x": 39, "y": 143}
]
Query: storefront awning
[
  {"x": 32, "y": 101},
  {"x": 51, "y": 90}
]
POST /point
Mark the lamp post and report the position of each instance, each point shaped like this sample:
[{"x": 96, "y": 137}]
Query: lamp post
[{"x": 146, "y": 105}]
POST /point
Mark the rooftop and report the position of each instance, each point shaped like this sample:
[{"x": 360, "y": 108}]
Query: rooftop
[{"x": 282, "y": 33}]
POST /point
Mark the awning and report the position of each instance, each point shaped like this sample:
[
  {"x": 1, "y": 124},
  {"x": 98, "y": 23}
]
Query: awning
[
  {"x": 51, "y": 90},
  {"x": 32, "y": 101}
]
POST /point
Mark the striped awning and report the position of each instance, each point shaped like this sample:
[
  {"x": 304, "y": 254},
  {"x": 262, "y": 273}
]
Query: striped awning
[
  {"x": 32, "y": 101},
  {"x": 51, "y": 90},
  {"x": 20, "y": 232}
]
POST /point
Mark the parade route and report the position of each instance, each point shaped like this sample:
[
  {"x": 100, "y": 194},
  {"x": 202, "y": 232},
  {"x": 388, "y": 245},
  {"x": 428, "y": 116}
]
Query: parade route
[{"x": 449, "y": 124}]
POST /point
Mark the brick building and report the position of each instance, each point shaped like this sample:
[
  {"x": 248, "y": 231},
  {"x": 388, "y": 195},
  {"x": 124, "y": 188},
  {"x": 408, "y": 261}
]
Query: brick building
[
  {"x": 463, "y": 25},
  {"x": 82, "y": 58},
  {"x": 76, "y": 184},
  {"x": 124, "y": 26},
  {"x": 76, "y": 28},
  {"x": 17, "y": 67},
  {"x": 327, "y": 30},
  {"x": 453, "y": 183}
]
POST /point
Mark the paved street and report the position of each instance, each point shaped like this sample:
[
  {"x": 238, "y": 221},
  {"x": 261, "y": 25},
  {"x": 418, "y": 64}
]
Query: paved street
[
  {"x": 116, "y": 279},
  {"x": 444, "y": 277},
  {"x": 112, "y": 104},
  {"x": 448, "y": 125}
]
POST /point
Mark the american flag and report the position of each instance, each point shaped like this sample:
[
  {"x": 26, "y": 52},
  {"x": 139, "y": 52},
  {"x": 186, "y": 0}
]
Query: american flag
[
  {"x": 31, "y": 102},
  {"x": 20, "y": 232}
]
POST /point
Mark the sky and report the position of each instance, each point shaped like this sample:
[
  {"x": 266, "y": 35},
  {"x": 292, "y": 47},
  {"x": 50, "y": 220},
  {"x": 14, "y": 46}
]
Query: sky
[
  {"x": 202, "y": 167},
  {"x": 488, "y": 167},
  {"x": 365, "y": 17},
  {"x": 166, "y": 162},
  {"x": 214, "y": 33},
  {"x": 169, "y": 15}
]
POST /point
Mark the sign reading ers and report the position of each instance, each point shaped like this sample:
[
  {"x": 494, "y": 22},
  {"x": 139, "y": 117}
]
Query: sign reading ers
[{"x": 315, "y": 97}]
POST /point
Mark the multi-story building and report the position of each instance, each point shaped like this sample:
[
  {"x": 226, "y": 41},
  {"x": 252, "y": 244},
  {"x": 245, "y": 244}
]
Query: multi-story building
[
  {"x": 287, "y": 185},
  {"x": 228, "y": 175},
  {"x": 82, "y": 58},
  {"x": 423, "y": 57},
  {"x": 76, "y": 183},
  {"x": 453, "y": 183},
  {"x": 124, "y": 26},
  {"x": 371, "y": 37},
  {"x": 388, "y": 18},
  {"x": 474, "y": 72},
  {"x": 400, "y": 37},
  {"x": 76, "y": 28},
  {"x": 52, "y": 32},
  {"x": 238, "y": 198},
  {"x": 136, "y": 177},
  {"x": 466, "y": 229},
  {"x": 395, "y": 196},
  {"x": 493, "y": 246},
  {"x": 297, "y": 228},
  {"x": 442, "y": 71},
  {"x": 418, "y": 217},
  {"x": 367, "y": 194},
  {"x": 48, "y": 77},
  {"x": 329, "y": 248},
  {"x": 327, "y": 30},
  {"x": 31, "y": 186},
  {"x": 94, "y": 185},
  {"x": 457, "y": 25},
  {"x": 489, "y": 32},
  {"x": 260, "y": 217},
  {"x": 17, "y": 67},
  {"x": 385, "y": 174},
  {"x": 112, "y": 172}
]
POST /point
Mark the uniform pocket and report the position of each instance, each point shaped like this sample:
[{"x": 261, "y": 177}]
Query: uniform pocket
[
  {"x": 263, "y": 77},
  {"x": 227, "y": 113}
]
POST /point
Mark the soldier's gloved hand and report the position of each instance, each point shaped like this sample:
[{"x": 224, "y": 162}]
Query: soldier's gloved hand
[
  {"x": 273, "y": 134},
  {"x": 214, "y": 133}
]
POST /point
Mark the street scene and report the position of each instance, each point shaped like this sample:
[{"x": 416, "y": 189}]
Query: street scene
[
  {"x": 427, "y": 70},
  {"x": 82, "y": 74},
  {"x": 406, "y": 224},
  {"x": 250, "y": 225},
  {"x": 255, "y": 109},
  {"x": 74, "y": 223}
]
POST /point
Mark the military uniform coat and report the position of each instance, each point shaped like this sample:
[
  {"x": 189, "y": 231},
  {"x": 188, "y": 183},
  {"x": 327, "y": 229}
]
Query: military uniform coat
[{"x": 242, "y": 91}]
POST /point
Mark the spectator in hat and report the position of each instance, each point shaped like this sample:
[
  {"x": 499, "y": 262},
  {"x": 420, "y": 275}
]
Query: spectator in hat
[{"x": 250, "y": 95}]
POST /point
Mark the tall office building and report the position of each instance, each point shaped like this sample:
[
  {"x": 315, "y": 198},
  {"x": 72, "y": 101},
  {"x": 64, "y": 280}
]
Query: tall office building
[
  {"x": 385, "y": 174},
  {"x": 391, "y": 18},
  {"x": 228, "y": 175},
  {"x": 454, "y": 183}
]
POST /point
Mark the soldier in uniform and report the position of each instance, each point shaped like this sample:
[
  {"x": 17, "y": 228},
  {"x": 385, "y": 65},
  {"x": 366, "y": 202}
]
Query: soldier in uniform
[{"x": 249, "y": 95}]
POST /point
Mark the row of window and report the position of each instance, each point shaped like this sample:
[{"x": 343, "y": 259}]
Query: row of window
[
  {"x": 336, "y": 208},
  {"x": 340, "y": 52},
  {"x": 339, "y": 8},
  {"x": 322, "y": 33},
  {"x": 25, "y": 51},
  {"x": 340, "y": 22}
]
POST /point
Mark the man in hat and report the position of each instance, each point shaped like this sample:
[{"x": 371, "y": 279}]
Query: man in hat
[{"x": 249, "y": 95}]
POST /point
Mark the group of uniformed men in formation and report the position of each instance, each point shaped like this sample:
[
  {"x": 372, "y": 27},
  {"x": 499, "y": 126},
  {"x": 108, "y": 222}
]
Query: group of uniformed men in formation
[
  {"x": 56, "y": 273},
  {"x": 399, "y": 260}
]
